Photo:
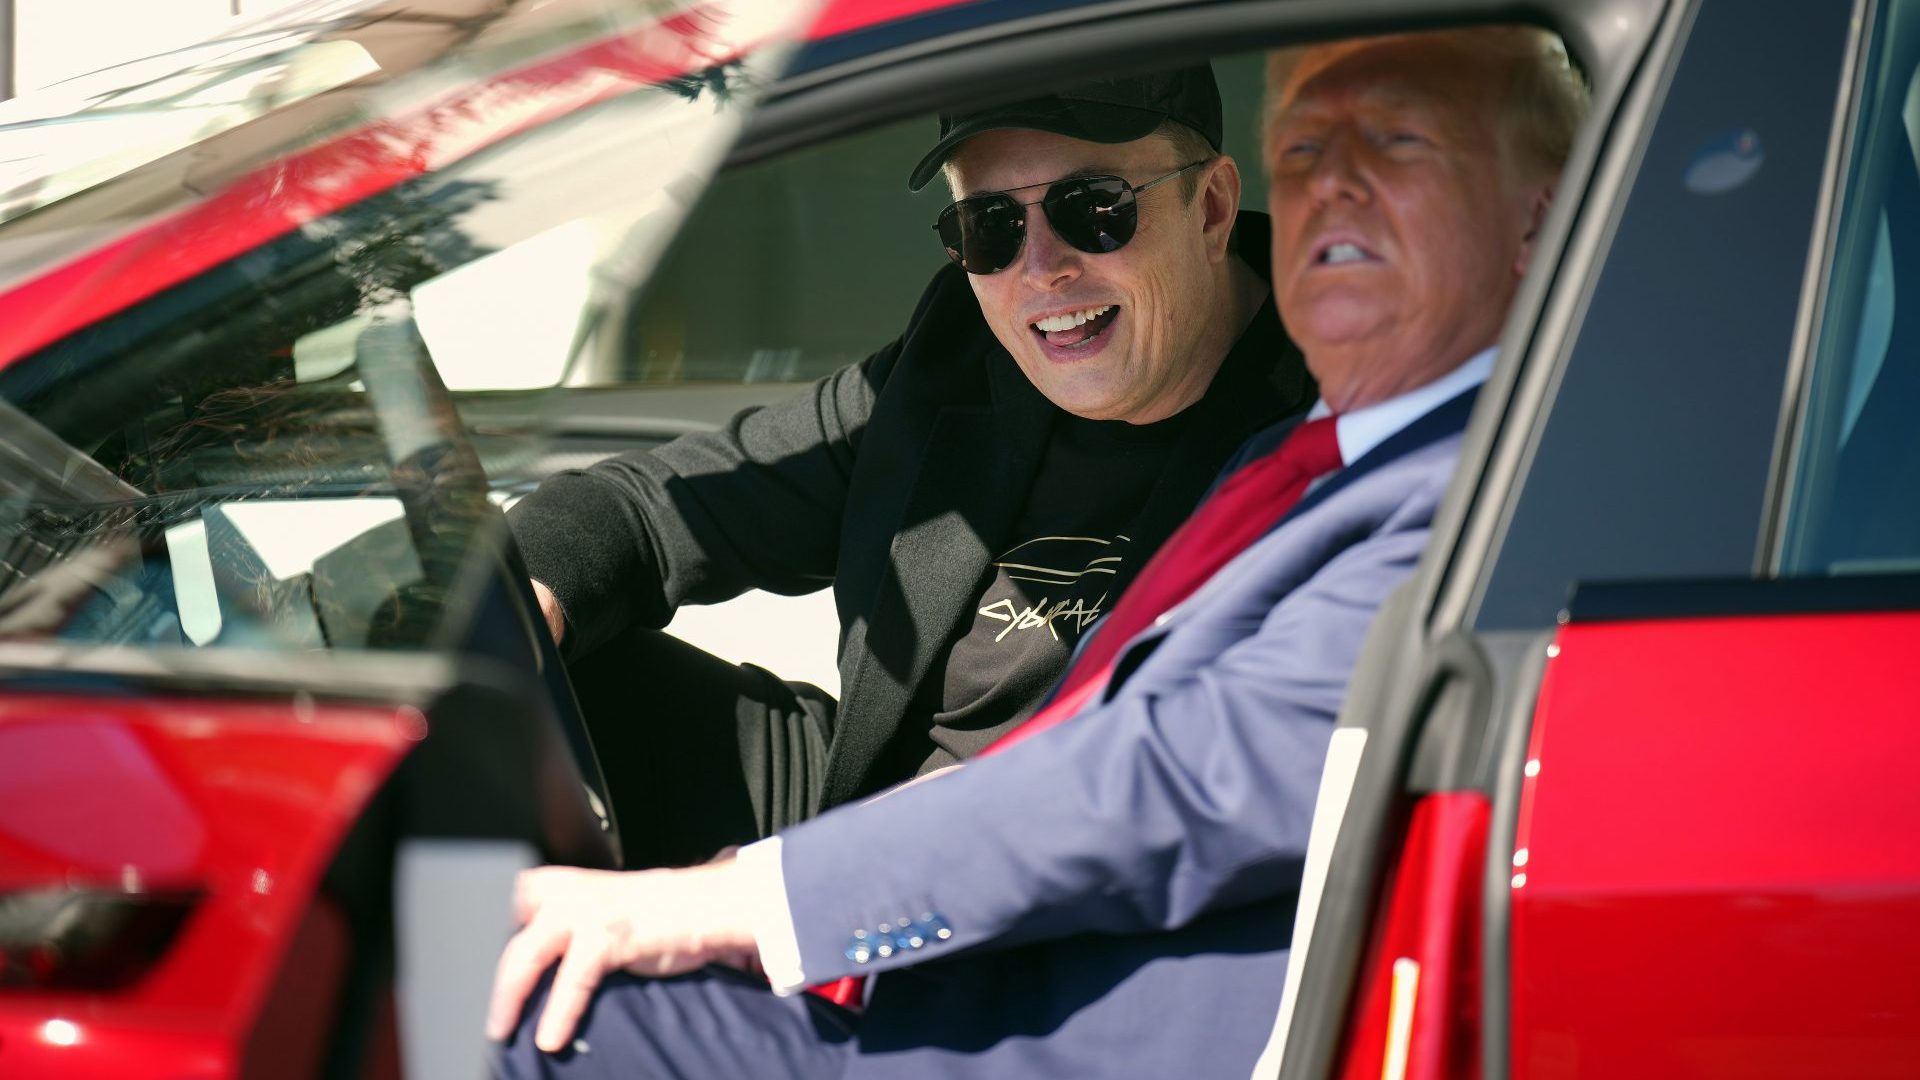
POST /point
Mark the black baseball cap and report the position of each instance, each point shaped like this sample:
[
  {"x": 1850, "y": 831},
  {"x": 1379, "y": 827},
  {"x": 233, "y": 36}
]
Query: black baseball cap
[{"x": 1103, "y": 110}]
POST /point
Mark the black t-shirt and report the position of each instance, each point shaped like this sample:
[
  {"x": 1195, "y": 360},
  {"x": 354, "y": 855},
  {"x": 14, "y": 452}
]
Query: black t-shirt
[{"x": 1072, "y": 556}]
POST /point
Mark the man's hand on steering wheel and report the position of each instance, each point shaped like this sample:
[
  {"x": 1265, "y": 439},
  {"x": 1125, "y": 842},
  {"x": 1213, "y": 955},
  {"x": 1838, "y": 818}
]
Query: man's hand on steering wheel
[{"x": 550, "y": 611}]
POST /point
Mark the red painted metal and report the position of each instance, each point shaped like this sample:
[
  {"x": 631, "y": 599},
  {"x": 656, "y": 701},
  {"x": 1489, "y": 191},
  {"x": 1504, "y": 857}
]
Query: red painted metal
[
  {"x": 1433, "y": 919},
  {"x": 289, "y": 192},
  {"x": 1721, "y": 875},
  {"x": 845, "y": 16},
  {"x": 288, "y": 1039},
  {"x": 243, "y": 801}
]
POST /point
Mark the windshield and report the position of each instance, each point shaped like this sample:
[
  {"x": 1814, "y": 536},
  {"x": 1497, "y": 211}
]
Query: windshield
[
  {"x": 89, "y": 129},
  {"x": 253, "y": 444}
]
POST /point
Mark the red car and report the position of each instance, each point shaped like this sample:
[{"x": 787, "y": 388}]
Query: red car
[{"x": 1626, "y": 780}]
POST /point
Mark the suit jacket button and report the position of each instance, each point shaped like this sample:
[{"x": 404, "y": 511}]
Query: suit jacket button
[
  {"x": 935, "y": 926},
  {"x": 906, "y": 935},
  {"x": 858, "y": 949}
]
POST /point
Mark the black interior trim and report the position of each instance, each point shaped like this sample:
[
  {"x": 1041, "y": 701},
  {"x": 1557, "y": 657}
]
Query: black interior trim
[
  {"x": 835, "y": 56},
  {"x": 1610, "y": 601},
  {"x": 1003, "y": 60},
  {"x": 1525, "y": 669}
]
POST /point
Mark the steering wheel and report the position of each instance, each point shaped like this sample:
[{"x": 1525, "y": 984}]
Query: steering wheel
[{"x": 477, "y": 596}]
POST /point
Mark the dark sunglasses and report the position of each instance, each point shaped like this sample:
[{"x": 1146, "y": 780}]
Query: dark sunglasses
[{"x": 1094, "y": 214}]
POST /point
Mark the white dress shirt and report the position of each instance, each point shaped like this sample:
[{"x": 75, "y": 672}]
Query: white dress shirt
[
  {"x": 1363, "y": 429},
  {"x": 1358, "y": 432}
]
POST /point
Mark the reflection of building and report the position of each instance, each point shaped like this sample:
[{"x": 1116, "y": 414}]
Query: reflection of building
[
  {"x": 43, "y": 42},
  {"x": 117, "y": 115}
]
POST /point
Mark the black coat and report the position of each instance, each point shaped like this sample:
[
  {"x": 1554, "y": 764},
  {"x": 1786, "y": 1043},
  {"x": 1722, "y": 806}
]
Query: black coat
[{"x": 893, "y": 480}]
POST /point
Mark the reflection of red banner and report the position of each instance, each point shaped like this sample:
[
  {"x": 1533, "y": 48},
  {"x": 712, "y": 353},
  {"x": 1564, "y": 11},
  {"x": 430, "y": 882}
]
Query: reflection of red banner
[
  {"x": 282, "y": 195},
  {"x": 843, "y": 16}
]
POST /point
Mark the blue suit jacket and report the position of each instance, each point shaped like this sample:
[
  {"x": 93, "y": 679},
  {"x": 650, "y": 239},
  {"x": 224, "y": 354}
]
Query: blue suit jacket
[{"x": 1118, "y": 892}]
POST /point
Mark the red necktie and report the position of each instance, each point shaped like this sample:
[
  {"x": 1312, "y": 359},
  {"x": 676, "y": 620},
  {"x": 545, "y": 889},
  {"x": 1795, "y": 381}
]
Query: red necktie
[{"x": 1246, "y": 505}]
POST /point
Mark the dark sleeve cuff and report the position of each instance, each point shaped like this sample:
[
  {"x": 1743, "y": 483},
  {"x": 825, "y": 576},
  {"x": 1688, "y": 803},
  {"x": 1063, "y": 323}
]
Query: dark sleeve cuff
[{"x": 578, "y": 537}]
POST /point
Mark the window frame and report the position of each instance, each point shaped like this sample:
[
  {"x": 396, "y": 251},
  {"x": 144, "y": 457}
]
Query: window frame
[
  {"x": 1519, "y": 536},
  {"x": 1785, "y": 525}
]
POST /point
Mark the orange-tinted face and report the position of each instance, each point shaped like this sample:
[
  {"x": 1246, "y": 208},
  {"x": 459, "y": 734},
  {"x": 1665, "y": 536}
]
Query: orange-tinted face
[
  {"x": 1402, "y": 218},
  {"x": 1142, "y": 352}
]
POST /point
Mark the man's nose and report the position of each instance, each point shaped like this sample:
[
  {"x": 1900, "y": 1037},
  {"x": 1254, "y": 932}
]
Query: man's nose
[
  {"x": 1336, "y": 170},
  {"x": 1046, "y": 261}
]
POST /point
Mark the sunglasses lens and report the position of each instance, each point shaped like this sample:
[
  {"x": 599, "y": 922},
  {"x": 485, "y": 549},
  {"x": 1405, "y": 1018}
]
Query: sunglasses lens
[
  {"x": 983, "y": 234},
  {"x": 1096, "y": 215}
]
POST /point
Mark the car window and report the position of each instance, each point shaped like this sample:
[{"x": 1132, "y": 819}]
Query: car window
[
  {"x": 793, "y": 267},
  {"x": 1655, "y": 457},
  {"x": 1855, "y": 504},
  {"x": 262, "y": 455}
]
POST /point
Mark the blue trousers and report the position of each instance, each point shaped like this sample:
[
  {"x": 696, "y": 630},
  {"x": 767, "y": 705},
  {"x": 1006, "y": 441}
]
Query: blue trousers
[
  {"x": 715, "y": 1024},
  {"x": 1197, "y": 1004}
]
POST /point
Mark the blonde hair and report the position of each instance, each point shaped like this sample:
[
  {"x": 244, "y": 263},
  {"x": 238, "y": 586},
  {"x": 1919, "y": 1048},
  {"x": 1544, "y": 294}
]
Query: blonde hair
[{"x": 1546, "y": 96}]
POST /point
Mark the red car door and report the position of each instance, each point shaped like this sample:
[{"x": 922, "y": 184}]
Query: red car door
[
  {"x": 1714, "y": 867},
  {"x": 1714, "y": 872},
  {"x": 276, "y": 726},
  {"x": 1638, "y": 797}
]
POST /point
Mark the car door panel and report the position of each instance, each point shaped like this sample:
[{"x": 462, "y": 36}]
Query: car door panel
[{"x": 1714, "y": 873}]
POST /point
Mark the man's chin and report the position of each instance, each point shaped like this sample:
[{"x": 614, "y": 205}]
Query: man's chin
[
  {"x": 1085, "y": 398},
  {"x": 1341, "y": 332},
  {"x": 1336, "y": 316}
]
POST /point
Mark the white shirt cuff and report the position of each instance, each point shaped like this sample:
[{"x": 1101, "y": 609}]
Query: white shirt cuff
[{"x": 771, "y": 919}]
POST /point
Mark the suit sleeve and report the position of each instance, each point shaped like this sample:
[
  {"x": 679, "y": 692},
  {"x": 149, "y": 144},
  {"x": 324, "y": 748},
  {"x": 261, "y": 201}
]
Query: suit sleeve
[
  {"x": 1133, "y": 817},
  {"x": 707, "y": 516}
]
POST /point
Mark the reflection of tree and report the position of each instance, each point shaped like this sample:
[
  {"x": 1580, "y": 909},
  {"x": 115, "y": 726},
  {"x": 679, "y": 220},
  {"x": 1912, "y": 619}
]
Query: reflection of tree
[
  {"x": 394, "y": 241},
  {"x": 721, "y": 81},
  {"x": 206, "y": 361},
  {"x": 241, "y": 410}
]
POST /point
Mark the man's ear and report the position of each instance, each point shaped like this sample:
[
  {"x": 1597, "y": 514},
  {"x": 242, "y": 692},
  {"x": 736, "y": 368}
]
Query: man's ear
[
  {"x": 1536, "y": 217},
  {"x": 1219, "y": 198}
]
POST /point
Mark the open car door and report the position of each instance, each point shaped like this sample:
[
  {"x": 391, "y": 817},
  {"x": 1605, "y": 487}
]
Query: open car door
[
  {"x": 1627, "y": 776},
  {"x": 278, "y": 718}
]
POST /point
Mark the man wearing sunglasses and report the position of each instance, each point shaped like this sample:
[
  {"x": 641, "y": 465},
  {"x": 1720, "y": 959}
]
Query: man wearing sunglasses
[
  {"x": 1114, "y": 895},
  {"x": 977, "y": 493}
]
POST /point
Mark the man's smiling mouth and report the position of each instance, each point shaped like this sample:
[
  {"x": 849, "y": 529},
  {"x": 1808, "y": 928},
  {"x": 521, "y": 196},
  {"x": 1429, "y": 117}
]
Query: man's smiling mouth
[
  {"x": 1075, "y": 328},
  {"x": 1342, "y": 253}
]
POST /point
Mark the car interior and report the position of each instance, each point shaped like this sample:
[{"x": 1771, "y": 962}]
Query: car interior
[
  {"x": 301, "y": 455},
  {"x": 263, "y": 488},
  {"x": 317, "y": 470},
  {"x": 315, "y": 465}
]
